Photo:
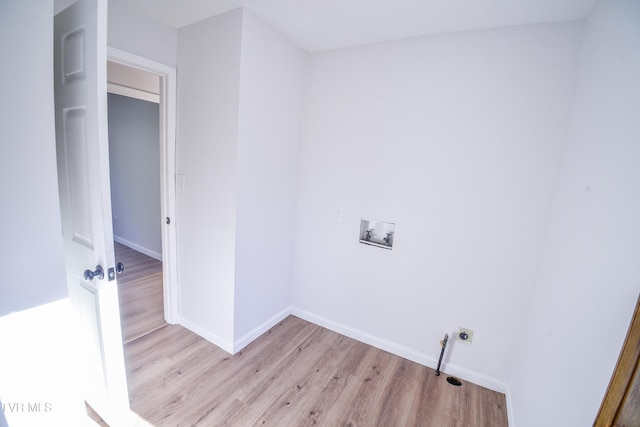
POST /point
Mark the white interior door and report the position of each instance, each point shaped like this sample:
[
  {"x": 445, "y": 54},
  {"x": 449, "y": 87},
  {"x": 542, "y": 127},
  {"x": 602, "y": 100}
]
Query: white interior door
[{"x": 83, "y": 176}]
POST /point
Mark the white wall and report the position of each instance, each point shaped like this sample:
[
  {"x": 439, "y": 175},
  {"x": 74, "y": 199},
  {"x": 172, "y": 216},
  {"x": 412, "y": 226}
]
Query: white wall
[
  {"x": 207, "y": 139},
  {"x": 31, "y": 256},
  {"x": 271, "y": 92},
  {"x": 134, "y": 160},
  {"x": 458, "y": 140},
  {"x": 132, "y": 30},
  {"x": 590, "y": 275},
  {"x": 239, "y": 111}
]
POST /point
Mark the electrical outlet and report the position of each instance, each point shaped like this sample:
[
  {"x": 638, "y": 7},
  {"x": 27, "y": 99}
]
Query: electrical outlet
[{"x": 465, "y": 335}]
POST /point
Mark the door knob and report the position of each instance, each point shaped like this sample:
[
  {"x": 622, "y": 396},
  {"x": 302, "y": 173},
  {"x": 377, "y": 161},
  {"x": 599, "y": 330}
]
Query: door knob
[
  {"x": 119, "y": 268},
  {"x": 99, "y": 273}
]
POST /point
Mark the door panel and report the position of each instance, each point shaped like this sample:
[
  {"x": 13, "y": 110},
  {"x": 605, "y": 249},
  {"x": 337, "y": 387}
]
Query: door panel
[
  {"x": 76, "y": 172},
  {"x": 85, "y": 202},
  {"x": 89, "y": 310}
]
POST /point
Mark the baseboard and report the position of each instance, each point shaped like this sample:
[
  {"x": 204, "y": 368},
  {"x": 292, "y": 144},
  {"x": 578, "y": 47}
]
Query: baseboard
[
  {"x": 400, "y": 350},
  {"x": 386, "y": 345},
  {"x": 247, "y": 338},
  {"x": 212, "y": 338},
  {"x": 476, "y": 378},
  {"x": 138, "y": 248},
  {"x": 510, "y": 416}
]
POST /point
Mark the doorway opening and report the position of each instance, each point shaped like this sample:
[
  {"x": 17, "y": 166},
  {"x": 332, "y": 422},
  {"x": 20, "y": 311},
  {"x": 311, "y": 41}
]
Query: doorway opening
[
  {"x": 143, "y": 189},
  {"x": 134, "y": 164}
]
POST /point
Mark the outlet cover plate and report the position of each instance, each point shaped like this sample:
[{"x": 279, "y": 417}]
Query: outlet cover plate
[{"x": 469, "y": 333}]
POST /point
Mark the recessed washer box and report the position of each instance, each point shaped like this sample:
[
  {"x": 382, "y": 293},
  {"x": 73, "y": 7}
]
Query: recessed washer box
[{"x": 377, "y": 233}]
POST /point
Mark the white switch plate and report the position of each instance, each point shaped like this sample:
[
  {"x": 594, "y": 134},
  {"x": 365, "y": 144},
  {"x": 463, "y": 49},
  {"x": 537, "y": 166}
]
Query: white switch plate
[
  {"x": 180, "y": 181},
  {"x": 338, "y": 214}
]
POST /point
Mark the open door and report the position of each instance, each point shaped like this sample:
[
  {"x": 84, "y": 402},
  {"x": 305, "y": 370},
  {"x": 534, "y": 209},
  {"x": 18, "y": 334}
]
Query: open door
[{"x": 83, "y": 175}]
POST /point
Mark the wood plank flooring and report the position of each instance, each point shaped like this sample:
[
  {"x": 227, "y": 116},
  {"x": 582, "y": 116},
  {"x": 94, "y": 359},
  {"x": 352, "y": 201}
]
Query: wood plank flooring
[
  {"x": 137, "y": 265},
  {"x": 296, "y": 374},
  {"x": 140, "y": 293}
]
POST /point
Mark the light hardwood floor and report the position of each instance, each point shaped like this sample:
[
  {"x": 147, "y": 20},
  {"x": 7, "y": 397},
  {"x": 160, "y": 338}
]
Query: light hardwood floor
[
  {"x": 296, "y": 374},
  {"x": 140, "y": 293}
]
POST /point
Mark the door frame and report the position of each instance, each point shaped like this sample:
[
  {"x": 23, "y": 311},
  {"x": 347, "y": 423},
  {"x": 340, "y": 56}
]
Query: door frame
[
  {"x": 167, "y": 77},
  {"x": 622, "y": 378}
]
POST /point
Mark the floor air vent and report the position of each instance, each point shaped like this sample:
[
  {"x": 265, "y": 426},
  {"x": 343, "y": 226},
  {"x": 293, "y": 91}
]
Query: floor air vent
[{"x": 454, "y": 381}]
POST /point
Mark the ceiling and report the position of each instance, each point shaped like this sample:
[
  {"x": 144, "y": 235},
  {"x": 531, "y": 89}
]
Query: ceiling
[{"x": 317, "y": 25}]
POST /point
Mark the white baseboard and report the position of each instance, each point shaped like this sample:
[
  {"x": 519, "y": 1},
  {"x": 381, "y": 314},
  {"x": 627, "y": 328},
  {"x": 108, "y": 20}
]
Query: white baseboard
[
  {"x": 386, "y": 345},
  {"x": 400, "y": 350},
  {"x": 247, "y": 338},
  {"x": 233, "y": 348},
  {"x": 510, "y": 417},
  {"x": 138, "y": 248},
  {"x": 212, "y": 338}
]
